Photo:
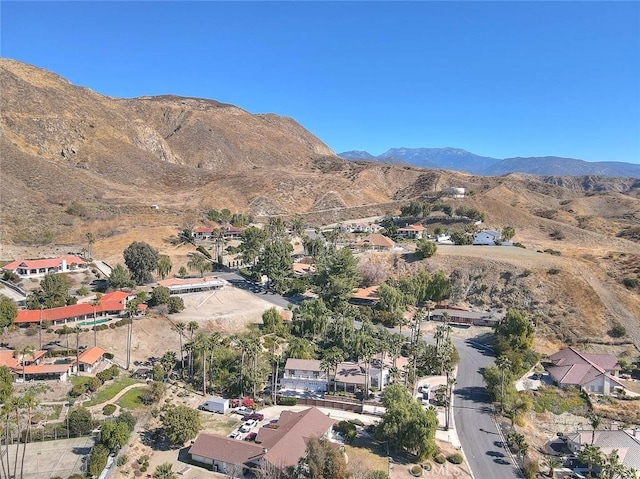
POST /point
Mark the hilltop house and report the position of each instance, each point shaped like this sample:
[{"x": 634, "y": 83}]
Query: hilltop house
[
  {"x": 414, "y": 232},
  {"x": 275, "y": 448},
  {"x": 31, "y": 268},
  {"x": 595, "y": 373},
  {"x": 487, "y": 237},
  {"x": 462, "y": 317}
]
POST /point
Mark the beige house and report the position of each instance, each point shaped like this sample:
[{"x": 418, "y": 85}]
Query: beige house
[{"x": 595, "y": 373}]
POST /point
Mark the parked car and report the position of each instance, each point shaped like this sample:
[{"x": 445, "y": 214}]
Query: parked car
[
  {"x": 247, "y": 426},
  {"x": 251, "y": 436},
  {"x": 255, "y": 416},
  {"x": 244, "y": 411},
  {"x": 236, "y": 434}
]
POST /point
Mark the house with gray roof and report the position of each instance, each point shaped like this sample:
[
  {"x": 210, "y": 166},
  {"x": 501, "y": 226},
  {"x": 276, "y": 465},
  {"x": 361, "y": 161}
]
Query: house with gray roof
[
  {"x": 626, "y": 443},
  {"x": 595, "y": 373}
]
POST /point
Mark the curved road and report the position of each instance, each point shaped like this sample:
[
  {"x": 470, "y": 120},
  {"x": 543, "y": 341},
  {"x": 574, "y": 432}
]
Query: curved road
[
  {"x": 479, "y": 437},
  {"x": 472, "y": 412}
]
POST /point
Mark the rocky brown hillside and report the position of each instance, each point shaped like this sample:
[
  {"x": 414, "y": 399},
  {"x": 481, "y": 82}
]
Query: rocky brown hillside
[{"x": 74, "y": 161}]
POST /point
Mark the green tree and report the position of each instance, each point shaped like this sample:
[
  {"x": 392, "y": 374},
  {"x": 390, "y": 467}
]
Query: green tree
[
  {"x": 276, "y": 263},
  {"x": 200, "y": 263},
  {"x": 595, "y": 422},
  {"x": 159, "y": 295},
  {"x": 6, "y": 383},
  {"x": 176, "y": 304},
  {"x": 321, "y": 461},
  {"x": 163, "y": 471},
  {"x": 164, "y": 265},
  {"x": 120, "y": 277},
  {"x": 439, "y": 287},
  {"x": 114, "y": 434},
  {"x": 8, "y": 311},
  {"x": 508, "y": 232},
  {"x": 80, "y": 421},
  {"x": 311, "y": 318},
  {"x": 591, "y": 456},
  {"x": 182, "y": 272},
  {"x": 300, "y": 348},
  {"x": 97, "y": 460},
  {"x": 331, "y": 358},
  {"x": 141, "y": 259},
  {"x": 181, "y": 424},
  {"x": 504, "y": 364},
  {"x": 54, "y": 292},
  {"x": 514, "y": 337},
  {"x": 425, "y": 248},
  {"x": 406, "y": 424},
  {"x": 271, "y": 320},
  {"x": 253, "y": 240},
  {"x": 337, "y": 276}
]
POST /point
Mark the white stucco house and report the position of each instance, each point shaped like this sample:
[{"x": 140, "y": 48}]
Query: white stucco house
[
  {"x": 487, "y": 237},
  {"x": 30, "y": 268},
  {"x": 304, "y": 375}
]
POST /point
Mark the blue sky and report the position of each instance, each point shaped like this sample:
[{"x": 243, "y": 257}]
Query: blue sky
[{"x": 499, "y": 79}]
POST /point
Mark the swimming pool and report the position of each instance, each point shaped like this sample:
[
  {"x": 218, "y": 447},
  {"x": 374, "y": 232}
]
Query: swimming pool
[{"x": 97, "y": 321}]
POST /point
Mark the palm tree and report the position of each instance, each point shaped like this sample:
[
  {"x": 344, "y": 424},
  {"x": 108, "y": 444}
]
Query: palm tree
[
  {"x": 95, "y": 303},
  {"x": 213, "y": 341},
  {"x": 192, "y": 327},
  {"x": 591, "y": 456},
  {"x": 90, "y": 241},
  {"x": 163, "y": 471},
  {"x": 503, "y": 364},
  {"x": 180, "y": 327},
  {"x": 364, "y": 347},
  {"x": 612, "y": 467},
  {"x": 24, "y": 352},
  {"x": 595, "y": 421},
  {"x": 332, "y": 358},
  {"x": 553, "y": 463},
  {"x": 28, "y": 400},
  {"x": 78, "y": 330}
]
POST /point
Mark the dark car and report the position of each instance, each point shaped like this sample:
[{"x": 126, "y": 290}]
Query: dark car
[
  {"x": 251, "y": 436},
  {"x": 256, "y": 416}
]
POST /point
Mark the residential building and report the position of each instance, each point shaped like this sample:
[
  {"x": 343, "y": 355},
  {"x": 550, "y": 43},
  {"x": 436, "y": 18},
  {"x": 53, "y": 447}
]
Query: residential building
[
  {"x": 191, "y": 285},
  {"x": 365, "y": 296},
  {"x": 304, "y": 375},
  {"x": 595, "y": 373},
  {"x": 202, "y": 232},
  {"x": 626, "y": 443},
  {"x": 487, "y": 237},
  {"x": 464, "y": 317},
  {"x": 414, "y": 232},
  {"x": 111, "y": 304},
  {"x": 276, "y": 448},
  {"x": 32, "y": 367},
  {"x": 377, "y": 242},
  {"x": 90, "y": 359},
  {"x": 31, "y": 268}
]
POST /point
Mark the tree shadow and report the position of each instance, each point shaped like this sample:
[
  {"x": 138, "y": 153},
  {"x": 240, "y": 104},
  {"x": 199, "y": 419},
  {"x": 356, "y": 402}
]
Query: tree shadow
[{"x": 156, "y": 439}]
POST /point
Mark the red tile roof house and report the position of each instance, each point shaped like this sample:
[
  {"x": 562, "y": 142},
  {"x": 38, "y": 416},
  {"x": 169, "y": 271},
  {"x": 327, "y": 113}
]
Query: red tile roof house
[
  {"x": 34, "y": 368},
  {"x": 412, "y": 232},
  {"x": 111, "y": 304},
  {"x": 595, "y": 373},
  {"x": 275, "y": 448},
  {"x": 90, "y": 359},
  {"x": 202, "y": 232},
  {"x": 30, "y": 268}
]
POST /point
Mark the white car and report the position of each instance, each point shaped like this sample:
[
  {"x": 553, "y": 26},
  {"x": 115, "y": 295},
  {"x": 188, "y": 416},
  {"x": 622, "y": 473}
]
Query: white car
[
  {"x": 247, "y": 426},
  {"x": 236, "y": 434}
]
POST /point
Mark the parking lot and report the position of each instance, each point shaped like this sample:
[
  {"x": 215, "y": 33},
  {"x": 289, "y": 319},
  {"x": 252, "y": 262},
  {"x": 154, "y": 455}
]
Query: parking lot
[{"x": 60, "y": 458}]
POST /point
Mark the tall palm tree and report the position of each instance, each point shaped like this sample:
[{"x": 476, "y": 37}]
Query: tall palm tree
[
  {"x": 364, "y": 347},
  {"x": 24, "y": 352},
  {"x": 591, "y": 456},
  {"x": 192, "y": 327},
  {"x": 181, "y": 327},
  {"x": 213, "y": 342},
  {"x": 503, "y": 364},
  {"x": 94, "y": 304},
  {"x": 612, "y": 467},
  {"x": 332, "y": 358},
  {"x": 29, "y": 401},
  {"x": 77, "y": 330}
]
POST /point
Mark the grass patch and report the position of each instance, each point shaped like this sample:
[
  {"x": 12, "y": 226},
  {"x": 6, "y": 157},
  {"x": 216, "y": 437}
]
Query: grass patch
[
  {"x": 56, "y": 410},
  {"x": 558, "y": 401},
  {"x": 108, "y": 392},
  {"x": 132, "y": 399},
  {"x": 363, "y": 458}
]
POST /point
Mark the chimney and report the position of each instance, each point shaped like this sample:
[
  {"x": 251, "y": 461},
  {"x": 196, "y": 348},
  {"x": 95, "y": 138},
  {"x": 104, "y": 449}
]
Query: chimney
[
  {"x": 64, "y": 265},
  {"x": 264, "y": 450}
]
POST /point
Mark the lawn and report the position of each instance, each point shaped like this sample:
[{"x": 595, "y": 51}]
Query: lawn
[
  {"x": 108, "y": 392},
  {"x": 361, "y": 460},
  {"x": 132, "y": 399}
]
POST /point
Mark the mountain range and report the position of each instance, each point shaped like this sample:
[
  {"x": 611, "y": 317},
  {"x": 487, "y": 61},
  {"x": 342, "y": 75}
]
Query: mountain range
[{"x": 461, "y": 160}]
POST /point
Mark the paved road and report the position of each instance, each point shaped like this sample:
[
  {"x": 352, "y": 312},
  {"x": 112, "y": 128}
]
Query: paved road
[{"x": 480, "y": 439}]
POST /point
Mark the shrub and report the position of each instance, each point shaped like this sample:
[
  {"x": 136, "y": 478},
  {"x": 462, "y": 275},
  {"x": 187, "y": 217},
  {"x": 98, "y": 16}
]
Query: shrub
[
  {"x": 286, "y": 401},
  {"x": 630, "y": 282},
  {"x": 617, "y": 331},
  {"x": 122, "y": 460},
  {"x": 455, "y": 458},
  {"x": 109, "y": 409},
  {"x": 530, "y": 468},
  {"x": 553, "y": 271},
  {"x": 519, "y": 245},
  {"x": 415, "y": 470},
  {"x": 348, "y": 429},
  {"x": 440, "y": 458}
]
